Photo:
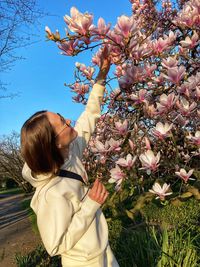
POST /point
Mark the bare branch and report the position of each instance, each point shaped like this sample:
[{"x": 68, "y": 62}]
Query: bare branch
[{"x": 18, "y": 21}]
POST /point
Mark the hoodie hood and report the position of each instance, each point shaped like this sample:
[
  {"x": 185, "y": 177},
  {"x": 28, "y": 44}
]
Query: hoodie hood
[{"x": 37, "y": 181}]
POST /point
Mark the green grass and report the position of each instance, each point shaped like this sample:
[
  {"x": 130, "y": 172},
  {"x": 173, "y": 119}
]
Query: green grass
[
  {"x": 12, "y": 191},
  {"x": 149, "y": 246},
  {"x": 32, "y": 217},
  {"x": 37, "y": 258}
]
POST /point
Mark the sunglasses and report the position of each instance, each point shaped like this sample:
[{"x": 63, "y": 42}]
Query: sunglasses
[{"x": 65, "y": 124}]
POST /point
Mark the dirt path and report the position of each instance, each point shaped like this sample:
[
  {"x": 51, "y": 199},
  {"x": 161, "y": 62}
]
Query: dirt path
[{"x": 16, "y": 234}]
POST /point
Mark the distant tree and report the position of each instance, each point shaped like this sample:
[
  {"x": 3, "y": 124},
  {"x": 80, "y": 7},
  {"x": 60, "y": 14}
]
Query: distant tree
[
  {"x": 11, "y": 162},
  {"x": 17, "y": 18}
]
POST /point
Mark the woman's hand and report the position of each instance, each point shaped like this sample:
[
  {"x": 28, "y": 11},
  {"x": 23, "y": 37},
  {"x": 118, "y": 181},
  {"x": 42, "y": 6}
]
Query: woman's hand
[
  {"x": 98, "y": 192},
  {"x": 104, "y": 64}
]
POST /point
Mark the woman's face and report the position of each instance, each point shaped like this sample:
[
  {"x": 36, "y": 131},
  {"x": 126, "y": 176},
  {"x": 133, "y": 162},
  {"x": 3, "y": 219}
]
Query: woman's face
[{"x": 65, "y": 134}]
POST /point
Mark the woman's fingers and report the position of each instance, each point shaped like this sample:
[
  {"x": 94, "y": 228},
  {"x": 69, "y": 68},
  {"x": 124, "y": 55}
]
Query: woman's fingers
[
  {"x": 98, "y": 192},
  {"x": 103, "y": 195},
  {"x": 105, "y": 62}
]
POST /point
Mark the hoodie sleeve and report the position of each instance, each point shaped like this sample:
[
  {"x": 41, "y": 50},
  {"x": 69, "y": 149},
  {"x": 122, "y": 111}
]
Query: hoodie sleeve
[
  {"x": 85, "y": 125},
  {"x": 60, "y": 228}
]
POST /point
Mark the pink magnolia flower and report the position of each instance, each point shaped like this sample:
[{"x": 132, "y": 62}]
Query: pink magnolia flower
[
  {"x": 126, "y": 26},
  {"x": 122, "y": 128},
  {"x": 147, "y": 143},
  {"x": 175, "y": 75},
  {"x": 185, "y": 107},
  {"x": 127, "y": 79},
  {"x": 132, "y": 74},
  {"x": 179, "y": 119},
  {"x": 190, "y": 42},
  {"x": 171, "y": 37},
  {"x": 149, "y": 160},
  {"x": 102, "y": 148},
  {"x": 150, "y": 110},
  {"x": 166, "y": 102},
  {"x": 69, "y": 47},
  {"x": 149, "y": 69},
  {"x": 160, "y": 45},
  {"x": 184, "y": 89},
  {"x": 139, "y": 97},
  {"x": 78, "y": 22},
  {"x": 128, "y": 162},
  {"x": 133, "y": 43},
  {"x": 163, "y": 43},
  {"x": 80, "y": 88},
  {"x": 117, "y": 176},
  {"x": 86, "y": 71},
  {"x": 115, "y": 37},
  {"x": 140, "y": 51},
  {"x": 102, "y": 28},
  {"x": 188, "y": 17},
  {"x": 195, "y": 139},
  {"x": 159, "y": 79},
  {"x": 161, "y": 192},
  {"x": 170, "y": 62},
  {"x": 184, "y": 175},
  {"x": 114, "y": 145},
  {"x": 131, "y": 144},
  {"x": 162, "y": 130}
]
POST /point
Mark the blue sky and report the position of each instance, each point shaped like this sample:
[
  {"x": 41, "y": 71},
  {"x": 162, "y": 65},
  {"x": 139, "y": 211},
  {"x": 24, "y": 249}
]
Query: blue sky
[{"x": 40, "y": 78}]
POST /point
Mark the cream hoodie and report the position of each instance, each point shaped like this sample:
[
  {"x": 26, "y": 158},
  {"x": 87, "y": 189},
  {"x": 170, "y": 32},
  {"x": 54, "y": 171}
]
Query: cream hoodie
[{"x": 70, "y": 223}]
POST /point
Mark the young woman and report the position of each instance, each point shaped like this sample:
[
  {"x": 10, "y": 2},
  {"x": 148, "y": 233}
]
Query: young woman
[{"x": 69, "y": 218}]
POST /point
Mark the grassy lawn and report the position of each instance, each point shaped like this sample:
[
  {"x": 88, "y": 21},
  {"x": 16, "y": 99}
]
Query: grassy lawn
[
  {"x": 32, "y": 217},
  {"x": 12, "y": 191}
]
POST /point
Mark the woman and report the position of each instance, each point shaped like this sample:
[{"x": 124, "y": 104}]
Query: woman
[{"x": 69, "y": 218}]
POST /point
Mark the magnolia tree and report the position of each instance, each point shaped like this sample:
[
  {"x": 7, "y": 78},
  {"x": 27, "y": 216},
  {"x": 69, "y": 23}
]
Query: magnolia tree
[{"x": 147, "y": 142}]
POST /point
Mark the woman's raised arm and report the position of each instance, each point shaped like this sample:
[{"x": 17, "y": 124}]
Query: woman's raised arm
[{"x": 86, "y": 123}]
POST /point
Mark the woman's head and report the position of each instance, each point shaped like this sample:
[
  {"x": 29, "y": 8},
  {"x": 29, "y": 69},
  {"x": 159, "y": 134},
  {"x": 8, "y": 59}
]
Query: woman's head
[
  {"x": 64, "y": 133},
  {"x": 43, "y": 139}
]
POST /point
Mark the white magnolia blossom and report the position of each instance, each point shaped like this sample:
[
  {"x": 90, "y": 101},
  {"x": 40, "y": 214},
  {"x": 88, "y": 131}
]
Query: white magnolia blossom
[
  {"x": 161, "y": 192},
  {"x": 149, "y": 160},
  {"x": 170, "y": 62},
  {"x": 122, "y": 128},
  {"x": 190, "y": 42},
  {"x": 185, "y": 176},
  {"x": 162, "y": 130},
  {"x": 166, "y": 102},
  {"x": 128, "y": 162},
  {"x": 185, "y": 107},
  {"x": 100, "y": 147},
  {"x": 117, "y": 176},
  {"x": 114, "y": 144}
]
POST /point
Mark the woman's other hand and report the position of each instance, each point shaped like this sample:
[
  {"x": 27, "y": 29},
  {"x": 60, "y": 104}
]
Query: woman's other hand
[{"x": 98, "y": 192}]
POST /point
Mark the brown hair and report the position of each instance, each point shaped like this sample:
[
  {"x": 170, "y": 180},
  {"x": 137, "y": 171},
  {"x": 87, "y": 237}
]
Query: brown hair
[{"x": 38, "y": 145}]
